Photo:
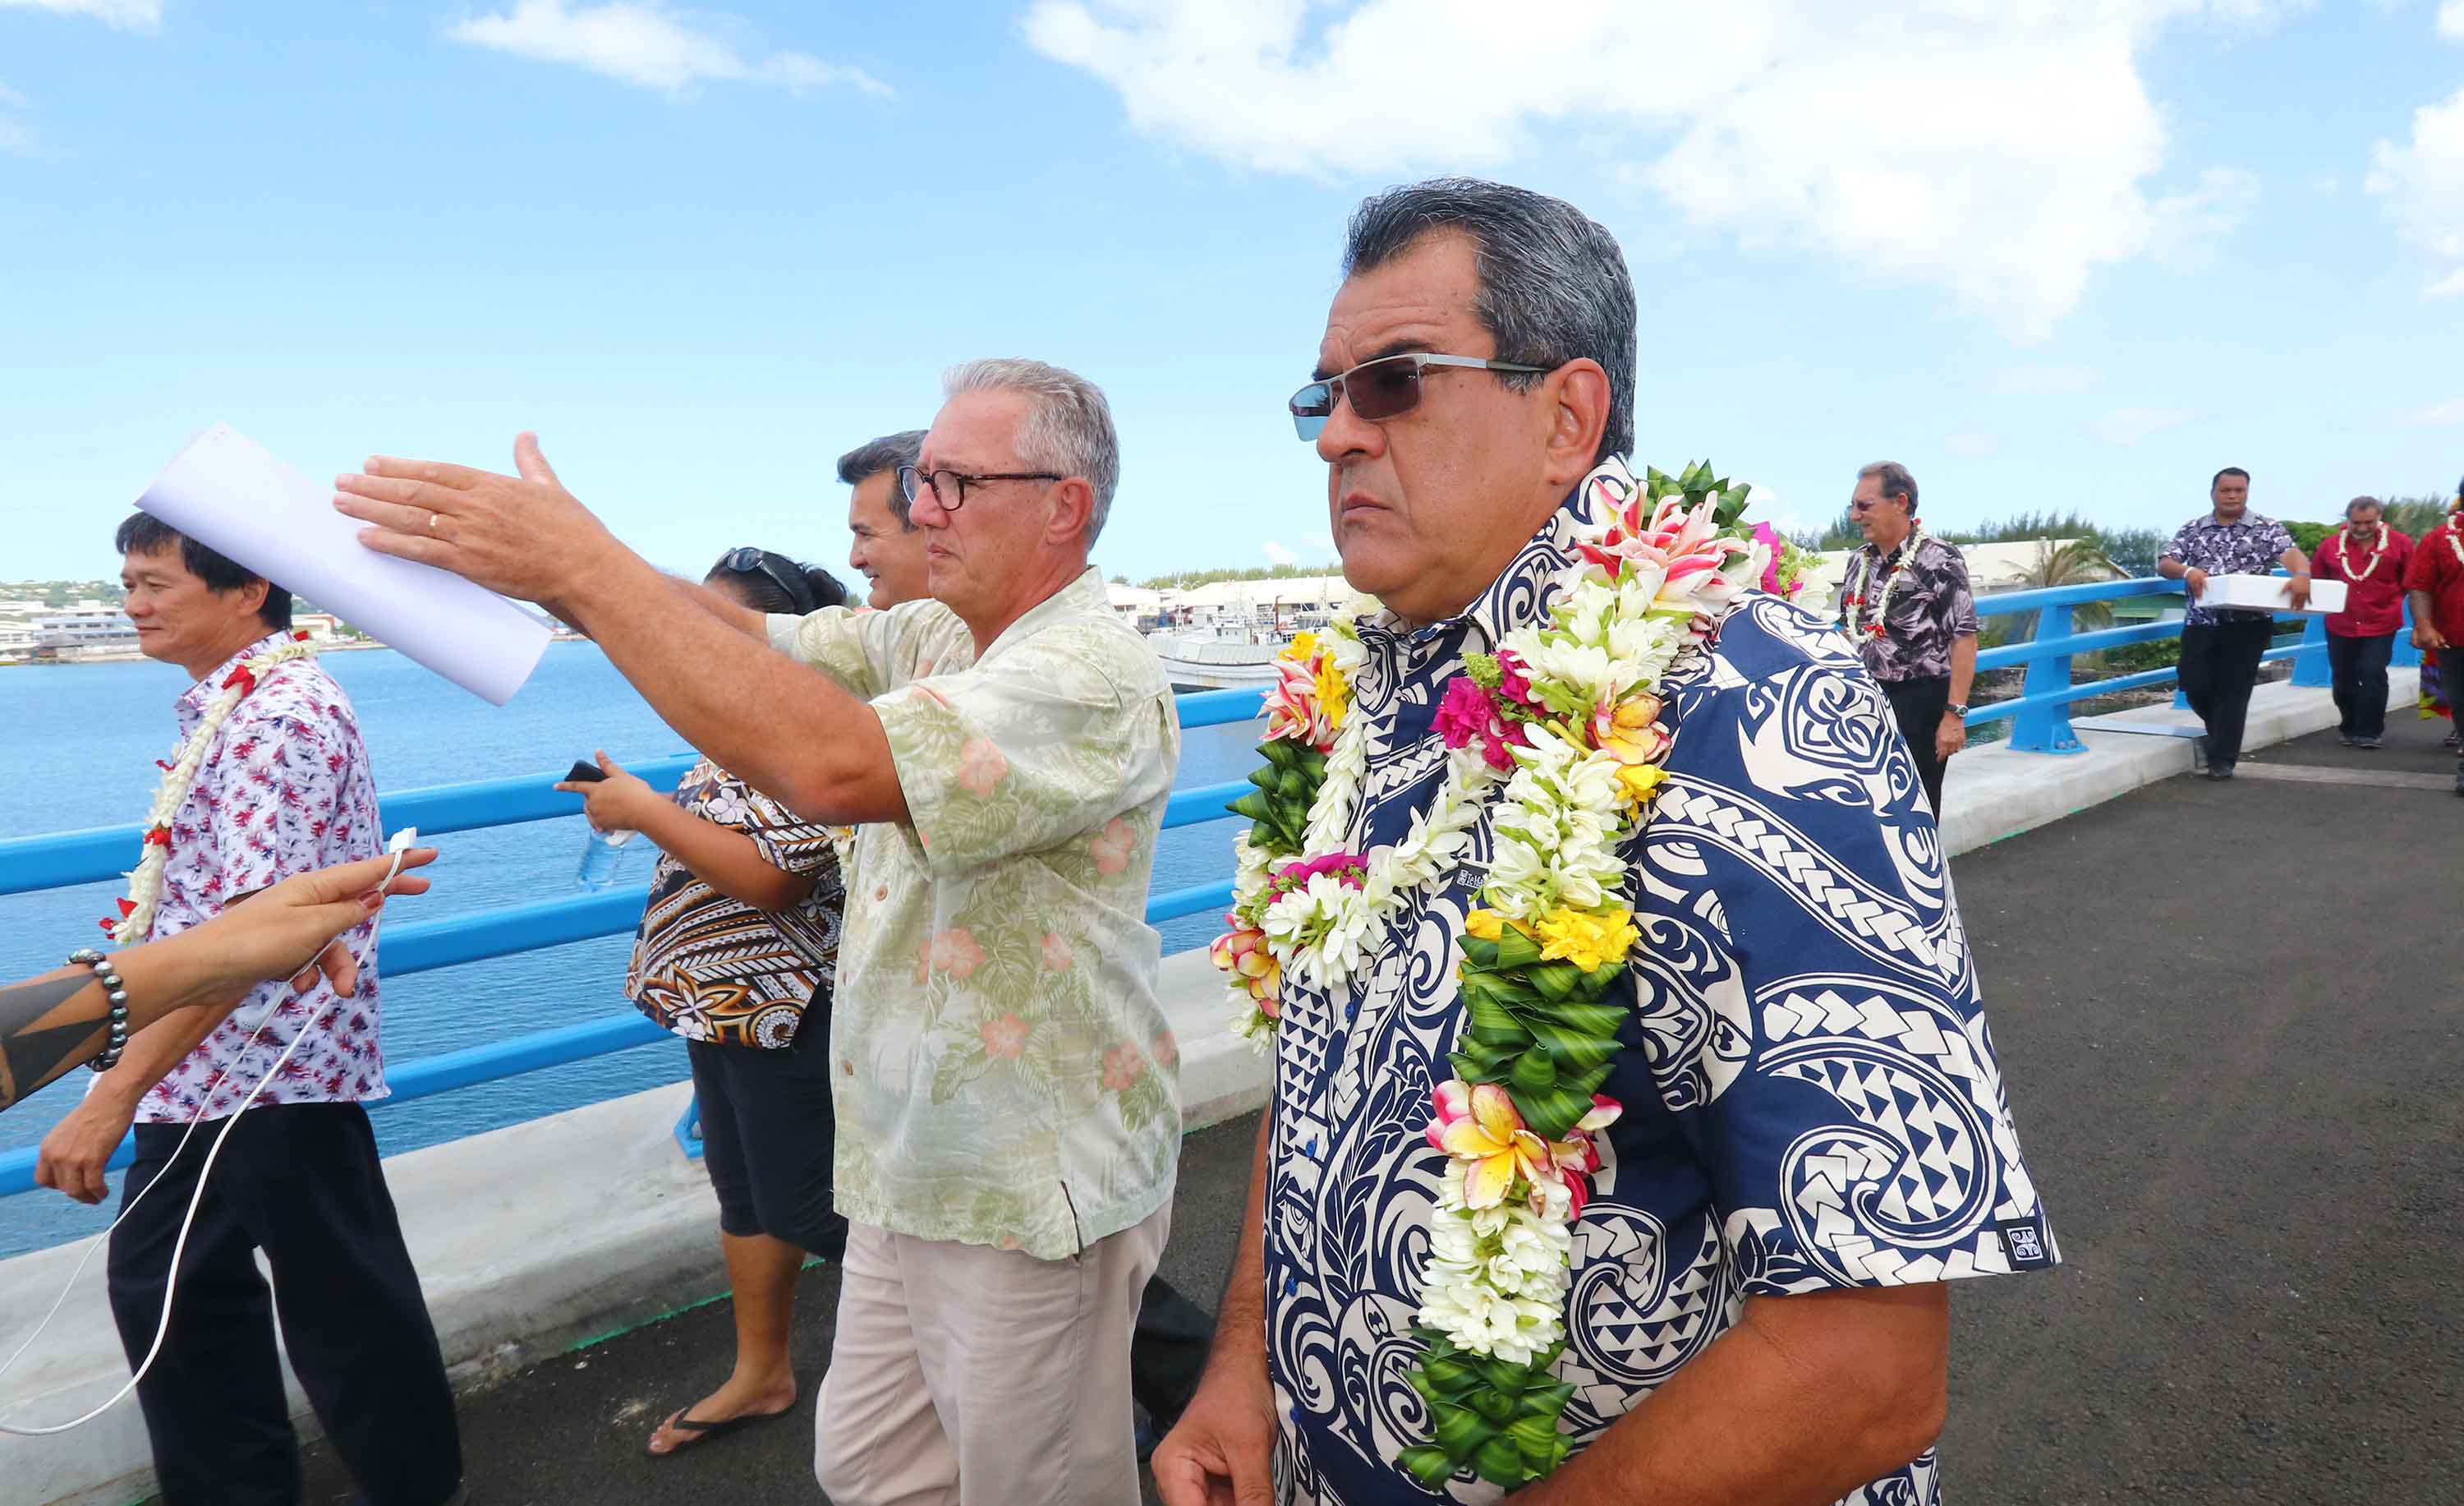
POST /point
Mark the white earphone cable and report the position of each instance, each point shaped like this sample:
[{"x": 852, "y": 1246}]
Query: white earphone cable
[{"x": 400, "y": 843}]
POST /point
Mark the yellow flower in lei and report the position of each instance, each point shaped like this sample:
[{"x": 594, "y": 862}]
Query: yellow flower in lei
[
  {"x": 1637, "y": 783},
  {"x": 1333, "y": 696},
  {"x": 1484, "y": 925},
  {"x": 1588, "y": 941}
]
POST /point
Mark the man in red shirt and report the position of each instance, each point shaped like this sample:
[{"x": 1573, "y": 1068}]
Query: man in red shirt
[
  {"x": 2369, "y": 558},
  {"x": 2436, "y": 582}
]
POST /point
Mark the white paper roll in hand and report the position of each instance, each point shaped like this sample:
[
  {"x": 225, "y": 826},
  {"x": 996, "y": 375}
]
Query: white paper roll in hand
[{"x": 227, "y": 492}]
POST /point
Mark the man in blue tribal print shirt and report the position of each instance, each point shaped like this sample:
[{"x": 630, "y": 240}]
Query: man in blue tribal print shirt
[{"x": 1814, "y": 1135}]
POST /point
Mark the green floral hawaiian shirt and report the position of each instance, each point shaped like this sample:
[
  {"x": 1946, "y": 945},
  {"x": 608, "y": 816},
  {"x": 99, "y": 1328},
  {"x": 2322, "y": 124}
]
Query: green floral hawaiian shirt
[{"x": 1003, "y": 1070}]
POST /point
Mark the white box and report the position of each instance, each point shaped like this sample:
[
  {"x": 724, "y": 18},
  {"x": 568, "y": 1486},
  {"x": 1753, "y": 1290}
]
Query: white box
[{"x": 2270, "y": 594}]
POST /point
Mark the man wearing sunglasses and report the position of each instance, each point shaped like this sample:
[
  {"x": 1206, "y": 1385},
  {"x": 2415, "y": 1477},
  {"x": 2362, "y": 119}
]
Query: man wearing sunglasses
[
  {"x": 1754, "y": 1310},
  {"x": 1005, "y": 1084}
]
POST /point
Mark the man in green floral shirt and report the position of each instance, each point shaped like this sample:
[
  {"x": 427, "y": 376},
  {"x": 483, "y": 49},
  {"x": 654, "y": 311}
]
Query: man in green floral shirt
[{"x": 1007, "y": 1098}]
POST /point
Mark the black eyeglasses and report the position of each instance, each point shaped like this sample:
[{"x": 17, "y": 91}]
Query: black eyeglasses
[
  {"x": 949, "y": 487},
  {"x": 788, "y": 577},
  {"x": 1386, "y": 387}
]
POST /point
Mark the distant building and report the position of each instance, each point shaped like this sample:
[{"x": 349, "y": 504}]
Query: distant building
[{"x": 88, "y": 630}]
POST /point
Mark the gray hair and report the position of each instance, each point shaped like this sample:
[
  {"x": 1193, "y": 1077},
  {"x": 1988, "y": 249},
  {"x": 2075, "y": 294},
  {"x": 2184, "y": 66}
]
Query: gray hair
[
  {"x": 2362, "y": 505},
  {"x": 1554, "y": 286},
  {"x": 888, "y": 453},
  {"x": 1896, "y": 482},
  {"x": 1068, "y": 430}
]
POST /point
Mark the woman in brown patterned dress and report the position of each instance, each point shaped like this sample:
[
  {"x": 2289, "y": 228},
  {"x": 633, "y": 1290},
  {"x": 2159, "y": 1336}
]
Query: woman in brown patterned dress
[{"x": 736, "y": 953}]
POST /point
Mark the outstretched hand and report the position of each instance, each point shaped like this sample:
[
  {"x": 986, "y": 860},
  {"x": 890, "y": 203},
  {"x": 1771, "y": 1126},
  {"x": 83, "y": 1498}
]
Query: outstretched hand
[
  {"x": 268, "y": 934},
  {"x": 522, "y": 536}
]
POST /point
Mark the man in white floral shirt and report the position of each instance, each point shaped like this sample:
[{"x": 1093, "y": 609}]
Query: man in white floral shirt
[
  {"x": 1008, "y": 1114},
  {"x": 282, "y": 788}
]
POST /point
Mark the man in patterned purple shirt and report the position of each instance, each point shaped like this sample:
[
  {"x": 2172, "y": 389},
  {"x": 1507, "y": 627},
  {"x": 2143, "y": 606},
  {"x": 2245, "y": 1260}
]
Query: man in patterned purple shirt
[
  {"x": 284, "y": 789},
  {"x": 2221, "y": 646}
]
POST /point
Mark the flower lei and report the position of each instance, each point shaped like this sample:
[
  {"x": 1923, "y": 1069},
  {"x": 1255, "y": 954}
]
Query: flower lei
[
  {"x": 136, "y": 919},
  {"x": 1881, "y": 605},
  {"x": 2345, "y": 554},
  {"x": 2455, "y": 537},
  {"x": 1565, "y": 718}
]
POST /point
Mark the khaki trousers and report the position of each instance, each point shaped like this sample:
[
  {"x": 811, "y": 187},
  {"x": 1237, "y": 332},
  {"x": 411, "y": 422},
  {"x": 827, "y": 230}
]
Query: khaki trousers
[{"x": 963, "y": 1375}]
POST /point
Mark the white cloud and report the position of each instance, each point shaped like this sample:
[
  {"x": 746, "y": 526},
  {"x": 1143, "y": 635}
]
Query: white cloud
[
  {"x": 2451, "y": 19},
  {"x": 1277, "y": 554},
  {"x": 2450, "y": 411},
  {"x": 2187, "y": 224},
  {"x": 128, "y": 15},
  {"x": 643, "y": 43},
  {"x": 2044, "y": 381},
  {"x": 2003, "y": 152},
  {"x": 1972, "y": 444},
  {"x": 2423, "y": 182},
  {"x": 2128, "y": 425},
  {"x": 14, "y": 136},
  {"x": 1763, "y": 505}
]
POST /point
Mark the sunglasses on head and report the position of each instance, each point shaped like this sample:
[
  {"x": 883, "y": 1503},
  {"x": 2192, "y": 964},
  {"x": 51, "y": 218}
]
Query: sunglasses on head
[
  {"x": 788, "y": 577},
  {"x": 1386, "y": 387}
]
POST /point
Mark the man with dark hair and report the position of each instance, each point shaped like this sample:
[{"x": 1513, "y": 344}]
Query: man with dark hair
[
  {"x": 888, "y": 547},
  {"x": 145, "y": 534},
  {"x": 1749, "y": 1303},
  {"x": 1905, "y": 603},
  {"x": 269, "y": 780},
  {"x": 2222, "y": 646},
  {"x": 2369, "y": 557}
]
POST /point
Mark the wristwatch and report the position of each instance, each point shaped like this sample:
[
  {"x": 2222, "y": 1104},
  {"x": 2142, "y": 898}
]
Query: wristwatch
[{"x": 1957, "y": 708}]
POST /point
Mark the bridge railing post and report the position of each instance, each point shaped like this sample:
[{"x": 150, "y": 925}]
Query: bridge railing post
[
  {"x": 689, "y": 1129},
  {"x": 2406, "y": 656},
  {"x": 2310, "y": 665},
  {"x": 2047, "y": 729}
]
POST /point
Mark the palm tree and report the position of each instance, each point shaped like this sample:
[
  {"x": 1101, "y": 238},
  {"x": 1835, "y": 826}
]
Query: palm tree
[{"x": 2074, "y": 561}]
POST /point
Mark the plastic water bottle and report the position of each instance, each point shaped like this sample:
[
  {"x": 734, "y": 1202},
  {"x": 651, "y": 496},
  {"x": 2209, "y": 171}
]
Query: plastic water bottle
[{"x": 600, "y": 857}]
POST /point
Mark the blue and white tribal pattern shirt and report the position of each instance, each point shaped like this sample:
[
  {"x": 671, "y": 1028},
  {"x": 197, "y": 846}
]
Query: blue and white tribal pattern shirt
[{"x": 1811, "y": 1095}]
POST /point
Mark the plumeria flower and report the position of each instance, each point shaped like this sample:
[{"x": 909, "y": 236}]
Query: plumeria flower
[
  {"x": 1242, "y": 953},
  {"x": 1499, "y": 1149}
]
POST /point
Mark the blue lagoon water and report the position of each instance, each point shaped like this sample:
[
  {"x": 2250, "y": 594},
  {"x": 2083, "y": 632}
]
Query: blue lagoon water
[{"x": 78, "y": 750}]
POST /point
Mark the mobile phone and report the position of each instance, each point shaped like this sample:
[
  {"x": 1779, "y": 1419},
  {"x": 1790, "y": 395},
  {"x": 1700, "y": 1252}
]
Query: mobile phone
[{"x": 585, "y": 772}]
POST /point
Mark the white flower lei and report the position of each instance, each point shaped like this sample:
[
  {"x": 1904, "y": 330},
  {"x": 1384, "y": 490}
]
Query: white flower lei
[
  {"x": 145, "y": 880},
  {"x": 2345, "y": 553},
  {"x": 1880, "y": 619}
]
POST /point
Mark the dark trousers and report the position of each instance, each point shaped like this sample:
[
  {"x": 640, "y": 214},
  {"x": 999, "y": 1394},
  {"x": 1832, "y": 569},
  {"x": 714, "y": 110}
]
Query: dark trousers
[
  {"x": 2219, "y": 666},
  {"x": 2357, "y": 668},
  {"x": 1168, "y": 1351},
  {"x": 769, "y": 1134},
  {"x": 2450, "y": 681},
  {"x": 1918, "y": 707},
  {"x": 302, "y": 1183}
]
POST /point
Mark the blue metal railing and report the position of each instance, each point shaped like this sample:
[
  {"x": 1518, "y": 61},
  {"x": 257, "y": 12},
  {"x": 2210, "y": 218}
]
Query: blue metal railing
[
  {"x": 2039, "y": 717},
  {"x": 78, "y": 857}
]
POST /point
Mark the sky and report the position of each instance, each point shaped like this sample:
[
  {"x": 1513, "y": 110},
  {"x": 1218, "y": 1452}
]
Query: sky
[{"x": 2049, "y": 254}]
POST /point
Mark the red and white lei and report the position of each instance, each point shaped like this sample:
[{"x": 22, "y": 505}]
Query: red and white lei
[
  {"x": 136, "y": 921},
  {"x": 1863, "y": 595}
]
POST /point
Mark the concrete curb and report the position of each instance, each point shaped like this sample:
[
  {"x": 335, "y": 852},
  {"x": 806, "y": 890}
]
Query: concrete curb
[{"x": 540, "y": 1236}]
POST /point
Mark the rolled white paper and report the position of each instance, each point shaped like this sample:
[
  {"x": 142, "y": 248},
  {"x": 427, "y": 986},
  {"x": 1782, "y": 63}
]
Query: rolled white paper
[{"x": 227, "y": 492}]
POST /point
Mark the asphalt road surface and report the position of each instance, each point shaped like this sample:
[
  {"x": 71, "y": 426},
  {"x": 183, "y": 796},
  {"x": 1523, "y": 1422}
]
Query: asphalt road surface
[{"x": 2232, "y": 1019}]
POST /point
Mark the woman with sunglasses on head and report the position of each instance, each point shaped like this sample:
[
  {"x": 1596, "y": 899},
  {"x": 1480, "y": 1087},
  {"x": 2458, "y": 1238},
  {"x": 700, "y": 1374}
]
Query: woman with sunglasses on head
[{"x": 736, "y": 953}]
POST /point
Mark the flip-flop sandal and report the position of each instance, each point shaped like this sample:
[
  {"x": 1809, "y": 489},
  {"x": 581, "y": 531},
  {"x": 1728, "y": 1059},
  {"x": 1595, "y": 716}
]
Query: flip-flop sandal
[{"x": 702, "y": 1432}]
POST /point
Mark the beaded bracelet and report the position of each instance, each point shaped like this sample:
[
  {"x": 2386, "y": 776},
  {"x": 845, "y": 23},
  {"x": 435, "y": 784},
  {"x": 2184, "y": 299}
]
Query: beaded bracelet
[{"x": 116, "y": 992}]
